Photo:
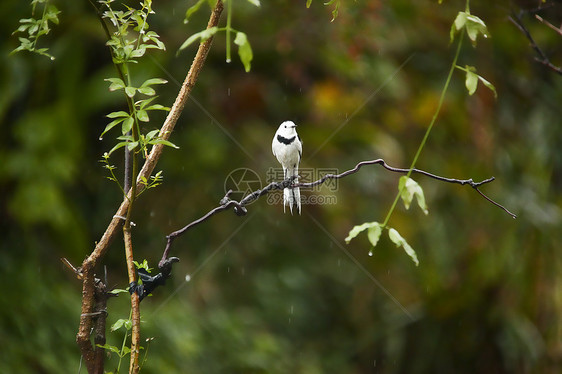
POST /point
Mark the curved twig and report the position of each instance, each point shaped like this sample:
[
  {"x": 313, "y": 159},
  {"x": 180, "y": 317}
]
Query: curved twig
[{"x": 239, "y": 206}]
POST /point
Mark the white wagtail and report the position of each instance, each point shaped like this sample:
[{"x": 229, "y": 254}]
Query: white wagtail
[{"x": 287, "y": 148}]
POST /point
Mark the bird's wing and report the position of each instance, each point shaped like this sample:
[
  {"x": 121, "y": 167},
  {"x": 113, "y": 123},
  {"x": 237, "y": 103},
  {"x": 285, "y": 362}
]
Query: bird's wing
[
  {"x": 273, "y": 147},
  {"x": 299, "y": 147}
]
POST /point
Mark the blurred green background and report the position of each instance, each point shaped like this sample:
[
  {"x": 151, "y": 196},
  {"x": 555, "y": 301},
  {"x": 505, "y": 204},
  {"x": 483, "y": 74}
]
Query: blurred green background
[{"x": 271, "y": 292}]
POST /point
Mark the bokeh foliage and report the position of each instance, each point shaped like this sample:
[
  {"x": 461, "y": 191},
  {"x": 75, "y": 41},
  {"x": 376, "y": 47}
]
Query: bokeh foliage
[{"x": 276, "y": 293}]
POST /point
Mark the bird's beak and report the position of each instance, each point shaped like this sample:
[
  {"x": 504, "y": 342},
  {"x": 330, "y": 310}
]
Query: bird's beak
[{"x": 294, "y": 126}]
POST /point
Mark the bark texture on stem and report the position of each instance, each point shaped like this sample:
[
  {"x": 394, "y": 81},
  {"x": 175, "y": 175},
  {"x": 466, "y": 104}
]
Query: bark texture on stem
[{"x": 88, "y": 265}]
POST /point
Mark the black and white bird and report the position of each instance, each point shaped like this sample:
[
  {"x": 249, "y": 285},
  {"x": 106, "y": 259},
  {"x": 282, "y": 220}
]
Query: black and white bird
[{"x": 287, "y": 148}]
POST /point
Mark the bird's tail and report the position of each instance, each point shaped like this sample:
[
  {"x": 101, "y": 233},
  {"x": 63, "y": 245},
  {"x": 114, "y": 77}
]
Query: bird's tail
[{"x": 292, "y": 196}]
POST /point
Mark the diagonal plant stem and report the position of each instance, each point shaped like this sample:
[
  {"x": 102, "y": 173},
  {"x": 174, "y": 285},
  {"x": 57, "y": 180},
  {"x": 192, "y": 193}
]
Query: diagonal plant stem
[
  {"x": 89, "y": 264},
  {"x": 428, "y": 131}
]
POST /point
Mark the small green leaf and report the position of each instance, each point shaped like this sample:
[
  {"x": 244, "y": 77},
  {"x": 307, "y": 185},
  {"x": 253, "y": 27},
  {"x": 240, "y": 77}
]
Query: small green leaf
[
  {"x": 150, "y": 82},
  {"x": 151, "y": 134},
  {"x": 157, "y": 107},
  {"x": 127, "y": 125},
  {"x": 475, "y": 26},
  {"x": 118, "y": 291},
  {"x": 471, "y": 81},
  {"x": 148, "y": 91},
  {"x": 128, "y": 324},
  {"x": 192, "y": 9},
  {"x": 203, "y": 35},
  {"x": 142, "y": 116},
  {"x": 401, "y": 242},
  {"x": 164, "y": 142},
  {"x": 117, "y": 146},
  {"x": 138, "y": 52},
  {"x": 118, "y": 114},
  {"x": 374, "y": 234},
  {"x": 132, "y": 145},
  {"x": 244, "y": 50},
  {"x": 356, "y": 230},
  {"x": 458, "y": 24},
  {"x": 109, "y": 348},
  {"x": 118, "y": 324},
  {"x": 408, "y": 189},
  {"x": 116, "y": 84},
  {"x": 308, "y": 3},
  {"x": 489, "y": 85},
  {"x": 130, "y": 91},
  {"x": 111, "y": 125}
]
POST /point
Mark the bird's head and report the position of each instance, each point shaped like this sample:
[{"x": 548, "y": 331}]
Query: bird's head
[{"x": 287, "y": 129}]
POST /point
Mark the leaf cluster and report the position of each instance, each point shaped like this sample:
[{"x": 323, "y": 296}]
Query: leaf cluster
[
  {"x": 241, "y": 39},
  {"x": 37, "y": 27}
]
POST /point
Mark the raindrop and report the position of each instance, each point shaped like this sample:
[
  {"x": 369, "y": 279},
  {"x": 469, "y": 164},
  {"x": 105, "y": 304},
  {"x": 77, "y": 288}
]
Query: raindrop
[
  {"x": 100, "y": 138},
  {"x": 371, "y": 253},
  {"x": 292, "y": 309},
  {"x": 339, "y": 262},
  {"x": 52, "y": 58},
  {"x": 375, "y": 363},
  {"x": 228, "y": 270},
  {"x": 229, "y": 91},
  {"x": 187, "y": 277},
  {"x": 228, "y": 61}
]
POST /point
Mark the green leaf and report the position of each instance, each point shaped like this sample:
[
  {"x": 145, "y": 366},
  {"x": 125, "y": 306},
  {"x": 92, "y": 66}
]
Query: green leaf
[
  {"x": 489, "y": 85},
  {"x": 471, "y": 81},
  {"x": 118, "y": 114},
  {"x": 150, "y": 82},
  {"x": 111, "y": 125},
  {"x": 136, "y": 53},
  {"x": 117, "y": 146},
  {"x": 148, "y": 91},
  {"x": 118, "y": 291},
  {"x": 401, "y": 242},
  {"x": 458, "y": 24},
  {"x": 127, "y": 125},
  {"x": 132, "y": 145},
  {"x": 192, "y": 9},
  {"x": 118, "y": 324},
  {"x": 142, "y": 115},
  {"x": 116, "y": 84},
  {"x": 374, "y": 234},
  {"x": 157, "y": 107},
  {"x": 409, "y": 189},
  {"x": 151, "y": 134},
  {"x": 164, "y": 142},
  {"x": 474, "y": 27},
  {"x": 130, "y": 91},
  {"x": 143, "y": 265},
  {"x": 308, "y": 3},
  {"x": 244, "y": 50},
  {"x": 356, "y": 230},
  {"x": 109, "y": 348},
  {"x": 128, "y": 324},
  {"x": 203, "y": 35}
]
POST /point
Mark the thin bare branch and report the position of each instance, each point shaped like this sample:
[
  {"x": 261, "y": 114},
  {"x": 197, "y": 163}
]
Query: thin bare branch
[
  {"x": 240, "y": 206},
  {"x": 542, "y": 57}
]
